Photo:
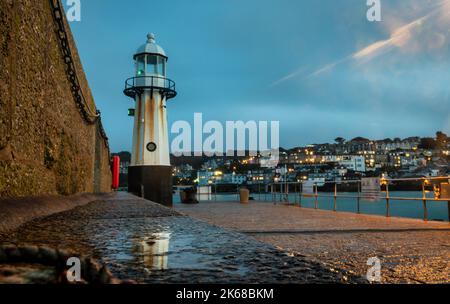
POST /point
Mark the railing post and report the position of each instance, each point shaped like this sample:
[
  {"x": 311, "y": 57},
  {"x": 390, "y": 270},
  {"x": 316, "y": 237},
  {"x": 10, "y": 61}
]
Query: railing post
[
  {"x": 335, "y": 197},
  {"x": 286, "y": 195},
  {"x": 266, "y": 189},
  {"x": 281, "y": 192},
  {"x": 424, "y": 197},
  {"x": 215, "y": 192},
  {"x": 358, "y": 207},
  {"x": 300, "y": 194},
  {"x": 316, "y": 202},
  {"x": 237, "y": 193},
  {"x": 271, "y": 192},
  {"x": 388, "y": 211},
  {"x": 448, "y": 206},
  {"x": 142, "y": 191},
  {"x": 276, "y": 193},
  {"x": 259, "y": 191}
]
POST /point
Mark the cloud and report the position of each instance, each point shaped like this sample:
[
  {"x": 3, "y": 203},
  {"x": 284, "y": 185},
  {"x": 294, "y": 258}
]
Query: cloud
[
  {"x": 428, "y": 32},
  {"x": 399, "y": 39},
  {"x": 287, "y": 77},
  {"x": 328, "y": 67}
]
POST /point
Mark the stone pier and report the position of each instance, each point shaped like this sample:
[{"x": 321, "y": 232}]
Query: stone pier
[
  {"x": 410, "y": 250},
  {"x": 145, "y": 242}
]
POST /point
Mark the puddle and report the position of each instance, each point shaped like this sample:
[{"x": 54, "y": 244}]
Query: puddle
[
  {"x": 155, "y": 251},
  {"x": 160, "y": 244}
]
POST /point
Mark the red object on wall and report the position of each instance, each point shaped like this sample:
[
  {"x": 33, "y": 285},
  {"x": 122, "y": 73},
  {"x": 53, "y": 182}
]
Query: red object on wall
[{"x": 115, "y": 172}]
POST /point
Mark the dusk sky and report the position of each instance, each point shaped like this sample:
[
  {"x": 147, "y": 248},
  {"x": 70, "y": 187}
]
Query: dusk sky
[{"x": 317, "y": 66}]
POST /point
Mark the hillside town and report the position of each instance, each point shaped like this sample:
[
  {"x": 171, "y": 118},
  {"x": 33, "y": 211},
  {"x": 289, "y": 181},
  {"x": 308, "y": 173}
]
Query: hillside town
[{"x": 341, "y": 160}]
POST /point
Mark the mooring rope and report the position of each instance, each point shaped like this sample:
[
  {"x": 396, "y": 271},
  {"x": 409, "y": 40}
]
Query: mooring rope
[{"x": 92, "y": 271}]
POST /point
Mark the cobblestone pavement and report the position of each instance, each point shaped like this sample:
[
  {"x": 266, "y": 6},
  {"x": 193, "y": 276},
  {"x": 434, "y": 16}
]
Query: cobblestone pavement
[
  {"x": 27, "y": 274},
  {"x": 146, "y": 242},
  {"x": 410, "y": 250}
]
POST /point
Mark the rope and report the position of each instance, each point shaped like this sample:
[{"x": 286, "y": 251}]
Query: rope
[
  {"x": 87, "y": 113},
  {"x": 92, "y": 272}
]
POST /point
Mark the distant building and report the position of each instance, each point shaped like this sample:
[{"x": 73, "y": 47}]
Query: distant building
[
  {"x": 381, "y": 160},
  {"x": 183, "y": 172},
  {"x": 318, "y": 179},
  {"x": 359, "y": 144},
  {"x": 233, "y": 178},
  {"x": 260, "y": 176},
  {"x": 350, "y": 162},
  {"x": 210, "y": 165},
  {"x": 355, "y": 163},
  {"x": 205, "y": 177},
  {"x": 388, "y": 144}
]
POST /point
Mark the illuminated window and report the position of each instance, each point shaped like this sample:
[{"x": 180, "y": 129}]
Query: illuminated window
[{"x": 140, "y": 65}]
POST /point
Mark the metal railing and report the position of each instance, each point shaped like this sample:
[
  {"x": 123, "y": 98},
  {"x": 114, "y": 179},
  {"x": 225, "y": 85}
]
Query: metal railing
[
  {"x": 280, "y": 193},
  {"x": 136, "y": 85},
  {"x": 292, "y": 193},
  {"x": 213, "y": 194}
]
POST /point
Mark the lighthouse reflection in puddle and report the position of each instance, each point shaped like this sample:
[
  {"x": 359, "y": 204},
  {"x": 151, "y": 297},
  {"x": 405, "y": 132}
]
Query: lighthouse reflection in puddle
[{"x": 155, "y": 249}]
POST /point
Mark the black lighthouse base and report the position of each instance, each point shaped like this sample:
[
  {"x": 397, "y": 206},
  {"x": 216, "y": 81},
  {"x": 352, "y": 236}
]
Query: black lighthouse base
[{"x": 151, "y": 182}]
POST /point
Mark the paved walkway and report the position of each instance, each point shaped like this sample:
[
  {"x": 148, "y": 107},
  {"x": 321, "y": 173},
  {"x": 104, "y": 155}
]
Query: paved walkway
[
  {"x": 410, "y": 250},
  {"x": 143, "y": 241}
]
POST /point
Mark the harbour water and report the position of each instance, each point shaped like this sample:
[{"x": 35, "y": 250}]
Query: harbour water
[{"x": 398, "y": 208}]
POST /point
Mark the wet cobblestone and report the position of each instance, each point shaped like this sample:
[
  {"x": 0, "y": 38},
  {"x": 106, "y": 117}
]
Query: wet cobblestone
[
  {"x": 148, "y": 243},
  {"x": 410, "y": 251},
  {"x": 408, "y": 257}
]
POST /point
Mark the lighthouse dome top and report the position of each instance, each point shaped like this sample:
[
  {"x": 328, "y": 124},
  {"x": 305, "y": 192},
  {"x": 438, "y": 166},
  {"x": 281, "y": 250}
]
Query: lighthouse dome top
[{"x": 151, "y": 47}]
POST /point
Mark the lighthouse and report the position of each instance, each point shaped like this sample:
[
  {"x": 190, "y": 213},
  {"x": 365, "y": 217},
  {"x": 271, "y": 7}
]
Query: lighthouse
[{"x": 150, "y": 172}]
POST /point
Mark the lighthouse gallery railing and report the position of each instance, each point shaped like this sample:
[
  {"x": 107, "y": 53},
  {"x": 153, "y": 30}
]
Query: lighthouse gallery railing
[{"x": 136, "y": 85}]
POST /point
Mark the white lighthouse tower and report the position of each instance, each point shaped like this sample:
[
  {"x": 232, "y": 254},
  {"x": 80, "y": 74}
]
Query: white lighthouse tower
[{"x": 150, "y": 173}]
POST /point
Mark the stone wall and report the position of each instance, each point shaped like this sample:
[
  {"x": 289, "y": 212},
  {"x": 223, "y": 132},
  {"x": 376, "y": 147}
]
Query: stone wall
[{"x": 45, "y": 145}]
